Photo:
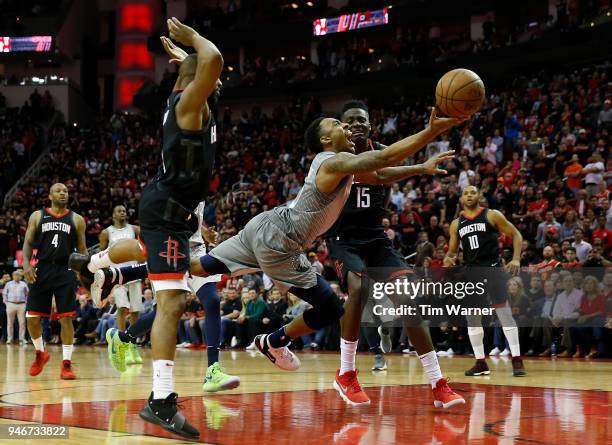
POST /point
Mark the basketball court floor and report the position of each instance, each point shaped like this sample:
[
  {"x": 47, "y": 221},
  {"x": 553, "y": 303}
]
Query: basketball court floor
[{"x": 559, "y": 402}]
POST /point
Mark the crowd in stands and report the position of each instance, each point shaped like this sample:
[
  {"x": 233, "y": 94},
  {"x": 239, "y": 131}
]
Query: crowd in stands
[
  {"x": 347, "y": 55},
  {"x": 539, "y": 150}
]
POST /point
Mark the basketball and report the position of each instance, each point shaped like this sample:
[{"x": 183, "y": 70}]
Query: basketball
[{"x": 460, "y": 93}]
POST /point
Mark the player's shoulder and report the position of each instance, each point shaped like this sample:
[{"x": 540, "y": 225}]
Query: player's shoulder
[
  {"x": 77, "y": 219},
  {"x": 35, "y": 216}
]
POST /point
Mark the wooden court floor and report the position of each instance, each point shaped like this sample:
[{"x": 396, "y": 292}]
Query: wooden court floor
[{"x": 558, "y": 402}]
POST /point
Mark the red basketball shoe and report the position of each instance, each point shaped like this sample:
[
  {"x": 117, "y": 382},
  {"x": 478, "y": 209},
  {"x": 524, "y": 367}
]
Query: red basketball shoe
[
  {"x": 444, "y": 396},
  {"x": 67, "y": 373},
  {"x": 42, "y": 357},
  {"x": 349, "y": 388}
]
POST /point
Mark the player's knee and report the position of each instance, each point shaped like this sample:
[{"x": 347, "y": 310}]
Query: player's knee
[
  {"x": 326, "y": 313},
  {"x": 171, "y": 304},
  {"x": 212, "y": 266}
]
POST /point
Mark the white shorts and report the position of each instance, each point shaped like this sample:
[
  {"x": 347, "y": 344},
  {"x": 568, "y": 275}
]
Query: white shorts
[
  {"x": 159, "y": 285},
  {"x": 129, "y": 296},
  {"x": 195, "y": 283}
]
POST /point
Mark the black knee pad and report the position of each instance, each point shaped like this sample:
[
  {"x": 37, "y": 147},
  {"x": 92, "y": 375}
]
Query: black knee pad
[{"x": 327, "y": 313}]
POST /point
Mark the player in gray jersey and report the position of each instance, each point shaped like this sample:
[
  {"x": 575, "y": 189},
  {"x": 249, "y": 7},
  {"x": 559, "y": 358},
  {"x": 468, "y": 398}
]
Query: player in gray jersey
[
  {"x": 274, "y": 241},
  {"x": 128, "y": 297}
]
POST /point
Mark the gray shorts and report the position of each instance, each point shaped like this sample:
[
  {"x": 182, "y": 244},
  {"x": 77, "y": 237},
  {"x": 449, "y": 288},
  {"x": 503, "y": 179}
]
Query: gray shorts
[{"x": 262, "y": 245}]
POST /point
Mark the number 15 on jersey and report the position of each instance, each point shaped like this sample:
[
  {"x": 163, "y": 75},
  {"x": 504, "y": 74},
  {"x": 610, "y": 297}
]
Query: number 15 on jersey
[{"x": 363, "y": 197}]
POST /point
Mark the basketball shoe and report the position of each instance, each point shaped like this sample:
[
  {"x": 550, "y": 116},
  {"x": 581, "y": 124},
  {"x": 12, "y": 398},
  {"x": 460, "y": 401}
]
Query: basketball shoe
[
  {"x": 518, "y": 370},
  {"x": 349, "y": 388},
  {"x": 116, "y": 349},
  {"x": 281, "y": 357},
  {"x": 444, "y": 396},
  {"x": 216, "y": 380},
  {"x": 165, "y": 413},
  {"x": 479, "y": 368},
  {"x": 78, "y": 262},
  {"x": 132, "y": 356},
  {"x": 42, "y": 357},
  {"x": 66, "y": 372}
]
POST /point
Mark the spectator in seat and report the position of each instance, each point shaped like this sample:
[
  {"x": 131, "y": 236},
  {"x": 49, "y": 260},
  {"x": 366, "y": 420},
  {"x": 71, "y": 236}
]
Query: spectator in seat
[
  {"x": 5, "y": 279},
  {"x": 85, "y": 314},
  {"x": 582, "y": 247},
  {"x": 249, "y": 323},
  {"x": 107, "y": 316},
  {"x": 570, "y": 260},
  {"x": 230, "y": 311},
  {"x": 14, "y": 295},
  {"x": 542, "y": 331},
  {"x": 277, "y": 306},
  {"x": 589, "y": 325},
  {"x": 549, "y": 221},
  {"x": 565, "y": 311}
]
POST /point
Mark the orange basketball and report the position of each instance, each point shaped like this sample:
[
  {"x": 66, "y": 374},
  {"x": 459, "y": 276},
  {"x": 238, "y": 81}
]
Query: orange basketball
[{"x": 460, "y": 93}]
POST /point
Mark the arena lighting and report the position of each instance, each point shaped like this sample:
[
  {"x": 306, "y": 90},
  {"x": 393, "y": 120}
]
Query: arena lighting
[
  {"x": 350, "y": 22},
  {"x": 294, "y": 5},
  {"x": 230, "y": 68},
  {"x": 310, "y": 4},
  {"x": 25, "y": 44}
]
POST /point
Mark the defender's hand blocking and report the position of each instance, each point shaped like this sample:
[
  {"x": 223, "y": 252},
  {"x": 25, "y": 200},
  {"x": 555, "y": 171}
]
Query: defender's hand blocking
[
  {"x": 210, "y": 235},
  {"x": 431, "y": 165},
  {"x": 181, "y": 33},
  {"x": 177, "y": 55},
  {"x": 441, "y": 124}
]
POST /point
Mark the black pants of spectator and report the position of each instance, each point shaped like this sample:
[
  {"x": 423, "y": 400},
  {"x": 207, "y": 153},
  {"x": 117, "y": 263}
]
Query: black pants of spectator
[
  {"x": 81, "y": 328},
  {"x": 3, "y": 321},
  {"x": 589, "y": 335},
  {"x": 247, "y": 331},
  {"x": 541, "y": 335}
]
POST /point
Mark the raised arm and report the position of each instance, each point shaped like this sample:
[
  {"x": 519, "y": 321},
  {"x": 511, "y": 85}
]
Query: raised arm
[
  {"x": 192, "y": 107},
  {"x": 389, "y": 175},
  {"x": 28, "y": 243},
  {"x": 507, "y": 228},
  {"x": 450, "y": 259},
  {"x": 342, "y": 164}
]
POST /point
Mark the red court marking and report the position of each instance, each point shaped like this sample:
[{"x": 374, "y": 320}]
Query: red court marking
[{"x": 398, "y": 415}]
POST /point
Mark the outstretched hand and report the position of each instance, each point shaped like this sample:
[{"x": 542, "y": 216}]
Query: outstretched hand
[
  {"x": 430, "y": 166},
  {"x": 210, "y": 235},
  {"x": 180, "y": 32},
  {"x": 177, "y": 55},
  {"x": 441, "y": 124}
]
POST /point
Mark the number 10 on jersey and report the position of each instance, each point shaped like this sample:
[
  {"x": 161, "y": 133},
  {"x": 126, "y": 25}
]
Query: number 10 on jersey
[
  {"x": 363, "y": 197},
  {"x": 473, "y": 240}
]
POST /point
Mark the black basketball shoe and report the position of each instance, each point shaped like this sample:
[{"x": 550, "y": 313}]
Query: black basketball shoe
[
  {"x": 165, "y": 413},
  {"x": 78, "y": 262}
]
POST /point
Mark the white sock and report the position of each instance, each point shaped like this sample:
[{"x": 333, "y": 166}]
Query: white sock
[
  {"x": 162, "y": 378},
  {"x": 512, "y": 335},
  {"x": 476, "y": 335},
  {"x": 431, "y": 367},
  {"x": 348, "y": 349},
  {"x": 99, "y": 260},
  {"x": 67, "y": 352},
  {"x": 38, "y": 343}
]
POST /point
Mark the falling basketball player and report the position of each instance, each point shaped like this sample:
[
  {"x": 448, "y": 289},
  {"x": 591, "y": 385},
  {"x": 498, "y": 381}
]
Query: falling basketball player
[
  {"x": 56, "y": 232},
  {"x": 166, "y": 212},
  {"x": 356, "y": 242},
  {"x": 477, "y": 230},
  {"x": 274, "y": 241}
]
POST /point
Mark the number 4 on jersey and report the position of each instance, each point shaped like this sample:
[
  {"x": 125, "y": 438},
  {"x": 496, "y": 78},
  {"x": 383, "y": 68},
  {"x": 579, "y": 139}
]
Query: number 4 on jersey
[{"x": 55, "y": 241}]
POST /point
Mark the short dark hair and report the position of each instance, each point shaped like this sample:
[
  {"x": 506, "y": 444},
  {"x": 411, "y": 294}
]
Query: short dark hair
[
  {"x": 312, "y": 136},
  {"x": 355, "y": 104},
  {"x": 573, "y": 249}
]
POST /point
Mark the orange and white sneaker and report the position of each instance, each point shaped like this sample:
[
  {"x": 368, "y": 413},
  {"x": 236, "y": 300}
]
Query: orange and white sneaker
[
  {"x": 444, "y": 396},
  {"x": 349, "y": 388},
  {"x": 42, "y": 357},
  {"x": 67, "y": 373}
]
